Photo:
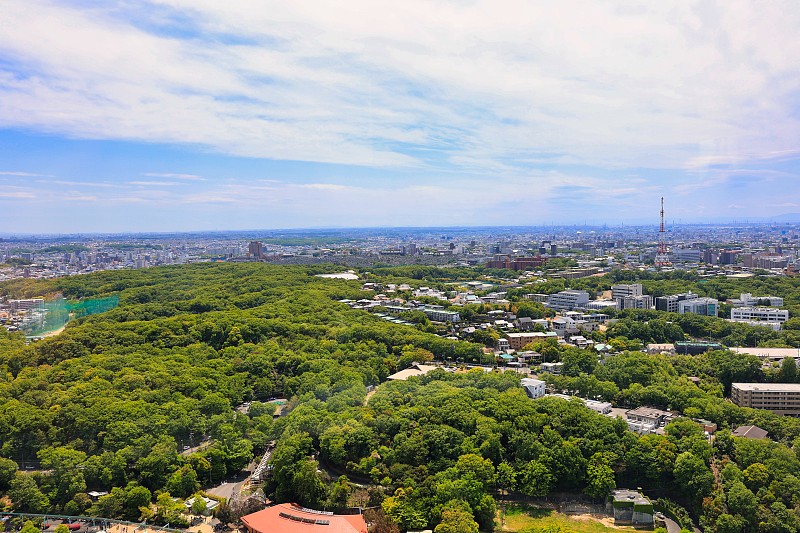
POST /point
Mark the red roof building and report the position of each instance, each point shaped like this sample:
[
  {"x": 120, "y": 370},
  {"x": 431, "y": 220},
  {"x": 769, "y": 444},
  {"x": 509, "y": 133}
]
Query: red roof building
[{"x": 291, "y": 518}]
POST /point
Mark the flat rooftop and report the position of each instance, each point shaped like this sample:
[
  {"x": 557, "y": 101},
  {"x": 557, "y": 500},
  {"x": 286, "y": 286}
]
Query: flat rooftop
[{"x": 768, "y": 387}]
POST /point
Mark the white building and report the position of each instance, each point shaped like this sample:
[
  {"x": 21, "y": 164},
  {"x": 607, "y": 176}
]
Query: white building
[
  {"x": 642, "y": 301},
  {"x": 761, "y": 314},
  {"x": 699, "y": 306},
  {"x": 623, "y": 290},
  {"x": 534, "y": 388},
  {"x": 552, "y": 368},
  {"x": 748, "y": 300},
  {"x": 601, "y": 305},
  {"x": 568, "y": 300},
  {"x": 438, "y": 314},
  {"x": 686, "y": 254}
]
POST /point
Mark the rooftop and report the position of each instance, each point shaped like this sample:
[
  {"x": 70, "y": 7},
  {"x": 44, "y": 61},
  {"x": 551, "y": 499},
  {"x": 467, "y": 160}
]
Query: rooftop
[
  {"x": 768, "y": 387},
  {"x": 289, "y": 518}
]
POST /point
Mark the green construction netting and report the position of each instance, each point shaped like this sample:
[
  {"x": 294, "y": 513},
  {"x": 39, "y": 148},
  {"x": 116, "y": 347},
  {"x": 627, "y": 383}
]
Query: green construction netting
[{"x": 54, "y": 314}]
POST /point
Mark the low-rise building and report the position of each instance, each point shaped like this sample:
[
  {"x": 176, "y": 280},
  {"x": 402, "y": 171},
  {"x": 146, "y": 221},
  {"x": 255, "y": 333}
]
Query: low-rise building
[
  {"x": 568, "y": 300},
  {"x": 534, "y": 388},
  {"x": 670, "y": 303},
  {"x": 630, "y": 507},
  {"x": 552, "y": 368},
  {"x": 748, "y": 300},
  {"x": 767, "y": 315},
  {"x": 699, "y": 306},
  {"x": 645, "y": 420},
  {"x": 439, "y": 314},
  {"x": 749, "y": 432},
  {"x": 780, "y": 398},
  {"x": 668, "y": 349},
  {"x": 292, "y": 518},
  {"x": 624, "y": 290},
  {"x": 642, "y": 301}
]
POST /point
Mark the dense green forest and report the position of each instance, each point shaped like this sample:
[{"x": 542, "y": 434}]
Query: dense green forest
[{"x": 110, "y": 403}]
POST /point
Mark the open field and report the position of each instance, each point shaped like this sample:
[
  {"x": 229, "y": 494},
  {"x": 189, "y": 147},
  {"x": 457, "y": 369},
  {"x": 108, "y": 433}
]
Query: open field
[{"x": 519, "y": 517}]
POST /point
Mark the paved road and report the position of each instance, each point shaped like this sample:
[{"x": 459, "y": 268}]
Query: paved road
[
  {"x": 672, "y": 525},
  {"x": 227, "y": 489}
]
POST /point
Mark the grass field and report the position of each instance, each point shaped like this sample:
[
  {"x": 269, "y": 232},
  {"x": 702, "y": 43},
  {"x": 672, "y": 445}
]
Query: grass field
[{"x": 519, "y": 517}]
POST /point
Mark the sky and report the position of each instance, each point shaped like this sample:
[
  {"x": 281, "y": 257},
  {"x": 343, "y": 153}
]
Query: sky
[{"x": 186, "y": 115}]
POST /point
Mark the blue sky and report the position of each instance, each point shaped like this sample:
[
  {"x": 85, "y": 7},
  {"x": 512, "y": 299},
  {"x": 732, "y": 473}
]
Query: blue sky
[{"x": 173, "y": 115}]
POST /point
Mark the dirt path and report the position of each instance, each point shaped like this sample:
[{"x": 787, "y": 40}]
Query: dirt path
[{"x": 56, "y": 332}]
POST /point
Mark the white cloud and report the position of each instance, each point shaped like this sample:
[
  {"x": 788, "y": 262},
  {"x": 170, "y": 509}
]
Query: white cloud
[
  {"x": 153, "y": 183},
  {"x": 24, "y": 174},
  {"x": 176, "y": 176},
  {"x": 480, "y": 87}
]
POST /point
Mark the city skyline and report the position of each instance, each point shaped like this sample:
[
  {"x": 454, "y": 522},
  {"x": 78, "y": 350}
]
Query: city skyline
[{"x": 193, "y": 116}]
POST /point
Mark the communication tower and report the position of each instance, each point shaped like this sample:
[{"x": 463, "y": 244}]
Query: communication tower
[{"x": 662, "y": 257}]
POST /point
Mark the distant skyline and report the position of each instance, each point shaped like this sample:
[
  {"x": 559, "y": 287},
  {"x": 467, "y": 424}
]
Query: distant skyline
[{"x": 178, "y": 115}]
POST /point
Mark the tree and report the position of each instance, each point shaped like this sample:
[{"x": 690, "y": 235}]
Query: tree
[
  {"x": 29, "y": 527},
  {"x": 534, "y": 479},
  {"x": 308, "y": 487},
  {"x": 457, "y": 518},
  {"x": 788, "y": 371},
  {"x": 379, "y": 522},
  {"x": 183, "y": 482},
  {"x": 692, "y": 475},
  {"x": 599, "y": 476},
  {"x": 756, "y": 476},
  {"x": 62, "y": 528},
  {"x": 400, "y": 508},
  {"x": 26, "y": 496},
  {"x": 8, "y": 470},
  {"x": 742, "y": 501},
  {"x": 67, "y": 476},
  {"x": 198, "y": 505},
  {"x": 339, "y": 493}
]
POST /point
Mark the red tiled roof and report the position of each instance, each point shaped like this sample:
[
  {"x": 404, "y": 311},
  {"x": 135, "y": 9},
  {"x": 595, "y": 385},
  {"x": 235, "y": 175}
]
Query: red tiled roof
[{"x": 290, "y": 518}]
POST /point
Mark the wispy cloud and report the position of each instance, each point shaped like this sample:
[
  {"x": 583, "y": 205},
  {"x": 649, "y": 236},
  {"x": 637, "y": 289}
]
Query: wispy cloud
[
  {"x": 176, "y": 176},
  {"x": 25, "y": 174},
  {"x": 449, "y": 86},
  {"x": 153, "y": 183},
  {"x": 16, "y": 194}
]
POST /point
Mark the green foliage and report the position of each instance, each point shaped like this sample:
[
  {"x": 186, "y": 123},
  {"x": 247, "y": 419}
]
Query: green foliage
[
  {"x": 457, "y": 518},
  {"x": 110, "y": 402}
]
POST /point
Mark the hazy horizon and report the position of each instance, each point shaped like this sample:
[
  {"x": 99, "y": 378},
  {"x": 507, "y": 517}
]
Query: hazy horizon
[{"x": 191, "y": 116}]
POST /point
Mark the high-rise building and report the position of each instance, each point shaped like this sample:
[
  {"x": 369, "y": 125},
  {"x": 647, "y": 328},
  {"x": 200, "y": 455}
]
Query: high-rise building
[{"x": 255, "y": 249}]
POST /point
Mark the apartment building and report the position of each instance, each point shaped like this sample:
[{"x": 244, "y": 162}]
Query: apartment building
[
  {"x": 438, "y": 314},
  {"x": 780, "y": 398},
  {"x": 518, "y": 341}
]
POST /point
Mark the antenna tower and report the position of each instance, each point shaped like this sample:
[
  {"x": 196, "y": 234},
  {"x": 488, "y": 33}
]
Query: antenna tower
[{"x": 662, "y": 257}]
